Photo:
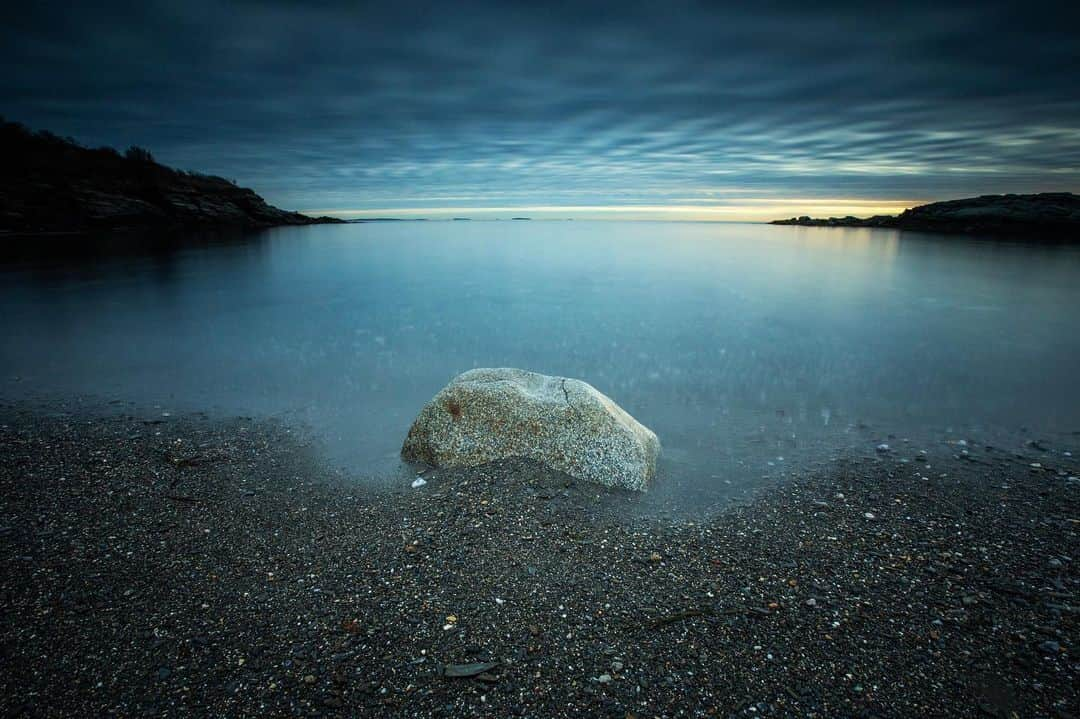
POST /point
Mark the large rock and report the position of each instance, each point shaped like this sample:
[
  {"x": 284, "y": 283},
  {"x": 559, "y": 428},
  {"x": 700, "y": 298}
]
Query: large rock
[{"x": 489, "y": 414}]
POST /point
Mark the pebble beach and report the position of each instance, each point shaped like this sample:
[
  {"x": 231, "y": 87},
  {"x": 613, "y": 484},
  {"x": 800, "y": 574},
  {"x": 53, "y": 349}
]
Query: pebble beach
[{"x": 187, "y": 565}]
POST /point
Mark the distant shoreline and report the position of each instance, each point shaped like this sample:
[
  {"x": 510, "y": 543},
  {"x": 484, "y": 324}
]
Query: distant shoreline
[
  {"x": 51, "y": 185},
  {"x": 1050, "y": 215}
]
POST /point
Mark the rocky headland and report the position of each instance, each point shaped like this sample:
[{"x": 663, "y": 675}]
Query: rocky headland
[
  {"x": 1051, "y": 215},
  {"x": 51, "y": 184}
]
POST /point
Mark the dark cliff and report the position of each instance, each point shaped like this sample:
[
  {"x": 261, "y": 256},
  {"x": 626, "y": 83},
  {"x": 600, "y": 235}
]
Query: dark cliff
[
  {"x": 1053, "y": 215},
  {"x": 52, "y": 184}
]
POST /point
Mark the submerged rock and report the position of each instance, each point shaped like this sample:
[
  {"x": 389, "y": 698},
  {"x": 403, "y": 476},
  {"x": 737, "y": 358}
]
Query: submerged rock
[{"x": 488, "y": 414}]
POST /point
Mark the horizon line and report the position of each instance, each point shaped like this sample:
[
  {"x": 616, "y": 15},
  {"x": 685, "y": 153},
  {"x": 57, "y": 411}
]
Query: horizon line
[{"x": 746, "y": 210}]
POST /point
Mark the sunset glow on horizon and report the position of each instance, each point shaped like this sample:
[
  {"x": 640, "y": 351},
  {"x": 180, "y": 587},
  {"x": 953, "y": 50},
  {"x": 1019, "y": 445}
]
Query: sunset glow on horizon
[{"x": 737, "y": 210}]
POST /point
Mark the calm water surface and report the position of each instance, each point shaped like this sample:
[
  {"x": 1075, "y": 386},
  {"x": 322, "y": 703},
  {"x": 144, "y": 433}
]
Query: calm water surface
[{"x": 753, "y": 351}]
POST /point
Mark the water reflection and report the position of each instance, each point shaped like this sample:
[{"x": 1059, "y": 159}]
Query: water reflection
[{"x": 749, "y": 349}]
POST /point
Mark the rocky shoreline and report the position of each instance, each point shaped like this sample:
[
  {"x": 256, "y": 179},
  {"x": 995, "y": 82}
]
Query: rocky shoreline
[
  {"x": 51, "y": 185},
  {"x": 155, "y": 565},
  {"x": 1048, "y": 215}
]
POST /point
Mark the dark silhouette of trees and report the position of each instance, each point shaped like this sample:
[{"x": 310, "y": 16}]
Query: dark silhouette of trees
[{"x": 139, "y": 154}]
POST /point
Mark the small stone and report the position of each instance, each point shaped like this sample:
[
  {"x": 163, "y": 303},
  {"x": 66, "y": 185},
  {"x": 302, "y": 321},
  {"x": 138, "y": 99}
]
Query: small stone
[
  {"x": 883, "y": 447},
  {"x": 604, "y": 678},
  {"x": 869, "y": 515},
  {"x": 811, "y": 602},
  {"x": 309, "y": 679},
  {"x": 1055, "y": 563},
  {"x": 655, "y": 557},
  {"x": 1049, "y": 647},
  {"x": 616, "y": 666}
]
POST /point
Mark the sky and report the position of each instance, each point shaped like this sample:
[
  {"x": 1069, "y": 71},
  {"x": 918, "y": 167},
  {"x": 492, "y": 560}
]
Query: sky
[{"x": 740, "y": 111}]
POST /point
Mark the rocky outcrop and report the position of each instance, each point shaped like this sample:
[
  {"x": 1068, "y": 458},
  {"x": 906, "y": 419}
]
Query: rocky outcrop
[
  {"x": 1049, "y": 215},
  {"x": 488, "y": 414},
  {"x": 848, "y": 221},
  {"x": 51, "y": 184}
]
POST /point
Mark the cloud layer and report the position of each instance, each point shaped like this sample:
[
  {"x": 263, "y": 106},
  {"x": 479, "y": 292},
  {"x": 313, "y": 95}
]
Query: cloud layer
[{"x": 463, "y": 105}]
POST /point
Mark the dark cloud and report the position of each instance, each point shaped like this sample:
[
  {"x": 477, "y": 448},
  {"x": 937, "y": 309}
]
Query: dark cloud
[{"x": 322, "y": 105}]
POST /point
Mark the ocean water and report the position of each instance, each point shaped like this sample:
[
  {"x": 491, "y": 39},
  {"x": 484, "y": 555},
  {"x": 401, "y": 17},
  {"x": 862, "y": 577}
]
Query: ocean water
[{"x": 754, "y": 352}]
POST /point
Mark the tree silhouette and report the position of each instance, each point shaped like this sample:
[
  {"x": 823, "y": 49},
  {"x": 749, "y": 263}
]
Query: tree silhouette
[{"x": 138, "y": 154}]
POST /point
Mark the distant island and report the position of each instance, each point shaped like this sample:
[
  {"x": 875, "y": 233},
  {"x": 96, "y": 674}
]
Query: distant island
[
  {"x": 1048, "y": 214},
  {"x": 362, "y": 220},
  {"x": 52, "y": 184}
]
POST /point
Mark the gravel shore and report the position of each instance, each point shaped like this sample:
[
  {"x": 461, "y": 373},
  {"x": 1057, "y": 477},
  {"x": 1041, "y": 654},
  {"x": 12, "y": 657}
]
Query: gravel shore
[{"x": 175, "y": 566}]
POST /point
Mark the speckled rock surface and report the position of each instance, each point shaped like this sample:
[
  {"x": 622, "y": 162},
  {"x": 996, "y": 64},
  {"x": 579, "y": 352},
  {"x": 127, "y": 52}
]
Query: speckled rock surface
[{"x": 488, "y": 414}]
